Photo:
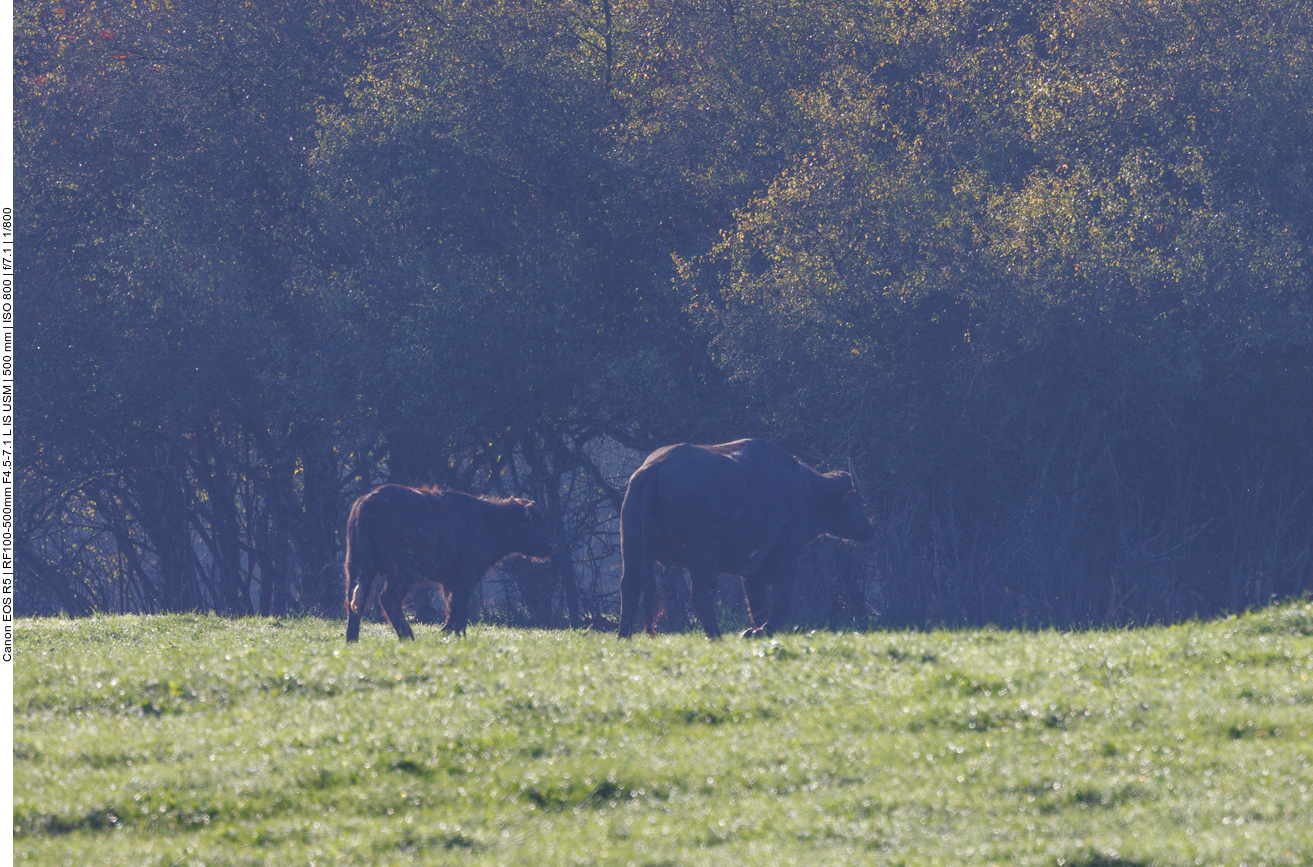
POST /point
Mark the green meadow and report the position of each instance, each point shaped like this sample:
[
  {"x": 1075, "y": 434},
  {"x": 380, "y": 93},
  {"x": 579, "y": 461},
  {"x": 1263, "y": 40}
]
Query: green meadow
[{"x": 197, "y": 740}]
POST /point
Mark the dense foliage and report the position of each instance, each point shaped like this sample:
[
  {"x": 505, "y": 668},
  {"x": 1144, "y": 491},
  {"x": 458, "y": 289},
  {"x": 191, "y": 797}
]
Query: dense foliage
[
  {"x": 186, "y": 739},
  {"x": 1039, "y": 270}
]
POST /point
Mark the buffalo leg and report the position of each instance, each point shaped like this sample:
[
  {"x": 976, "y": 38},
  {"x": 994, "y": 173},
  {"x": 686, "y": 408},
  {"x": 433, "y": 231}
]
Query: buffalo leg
[
  {"x": 631, "y": 592},
  {"x": 781, "y": 599},
  {"x": 704, "y": 600},
  {"x": 391, "y": 601},
  {"x": 758, "y": 594},
  {"x": 458, "y": 609},
  {"x": 369, "y": 592},
  {"x": 353, "y": 617}
]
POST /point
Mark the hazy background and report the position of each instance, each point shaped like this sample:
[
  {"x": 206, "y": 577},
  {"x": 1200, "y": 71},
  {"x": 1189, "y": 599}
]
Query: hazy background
[{"x": 1040, "y": 271}]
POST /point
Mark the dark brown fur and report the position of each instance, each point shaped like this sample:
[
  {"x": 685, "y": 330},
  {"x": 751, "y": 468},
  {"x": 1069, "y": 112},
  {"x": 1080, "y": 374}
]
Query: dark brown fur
[
  {"x": 743, "y": 508},
  {"x": 400, "y": 538}
]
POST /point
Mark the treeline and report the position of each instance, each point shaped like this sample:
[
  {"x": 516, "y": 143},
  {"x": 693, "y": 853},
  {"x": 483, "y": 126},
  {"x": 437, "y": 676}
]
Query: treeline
[{"x": 1039, "y": 270}]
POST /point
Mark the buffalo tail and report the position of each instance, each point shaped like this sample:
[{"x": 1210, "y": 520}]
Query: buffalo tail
[
  {"x": 637, "y": 550},
  {"x": 359, "y": 564}
]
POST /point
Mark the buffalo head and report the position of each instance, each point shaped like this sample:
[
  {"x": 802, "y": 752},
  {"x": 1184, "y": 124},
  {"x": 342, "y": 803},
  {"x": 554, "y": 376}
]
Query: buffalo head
[
  {"x": 841, "y": 512},
  {"x": 528, "y": 533}
]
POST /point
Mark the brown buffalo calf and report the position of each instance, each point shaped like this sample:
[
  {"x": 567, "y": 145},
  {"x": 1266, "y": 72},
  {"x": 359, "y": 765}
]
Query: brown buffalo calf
[{"x": 400, "y": 538}]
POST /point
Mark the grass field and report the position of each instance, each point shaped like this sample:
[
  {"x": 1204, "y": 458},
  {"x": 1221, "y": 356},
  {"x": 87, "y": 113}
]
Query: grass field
[{"x": 201, "y": 741}]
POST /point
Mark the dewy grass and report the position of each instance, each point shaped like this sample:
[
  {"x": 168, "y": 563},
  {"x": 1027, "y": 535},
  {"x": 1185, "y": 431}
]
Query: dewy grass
[{"x": 187, "y": 740}]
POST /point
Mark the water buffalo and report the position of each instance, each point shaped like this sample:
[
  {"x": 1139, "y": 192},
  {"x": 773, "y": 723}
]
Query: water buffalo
[
  {"x": 400, "y": 538},
  {"x": 744, "y": 508}
]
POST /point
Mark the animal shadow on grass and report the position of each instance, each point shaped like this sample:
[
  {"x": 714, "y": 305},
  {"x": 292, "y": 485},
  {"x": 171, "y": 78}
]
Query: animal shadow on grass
[{"x": 1098, "y": 859}]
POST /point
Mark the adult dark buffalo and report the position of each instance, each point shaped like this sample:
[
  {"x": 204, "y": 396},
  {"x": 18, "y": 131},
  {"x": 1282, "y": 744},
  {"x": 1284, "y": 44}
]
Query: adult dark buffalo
[
  {"x": 400, "y": 538},
  {"x": 744, "y": 508}
]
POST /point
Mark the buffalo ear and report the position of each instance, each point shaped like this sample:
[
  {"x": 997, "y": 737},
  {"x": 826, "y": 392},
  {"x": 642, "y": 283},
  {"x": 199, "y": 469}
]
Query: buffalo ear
[{"x": 851, "y": 496}]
